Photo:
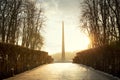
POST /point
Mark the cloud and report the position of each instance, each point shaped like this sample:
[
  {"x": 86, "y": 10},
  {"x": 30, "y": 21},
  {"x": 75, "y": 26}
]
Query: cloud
[
  {"x": 63, "y": 6},
  {"x": 50, "y": 4},
  {"x": 67, "y": 5}
]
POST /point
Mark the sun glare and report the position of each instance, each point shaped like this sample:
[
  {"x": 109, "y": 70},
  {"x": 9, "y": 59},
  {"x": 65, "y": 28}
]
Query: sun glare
[
  {"x": 79, "y": 41},
  {"x": 74, "y": 40}
]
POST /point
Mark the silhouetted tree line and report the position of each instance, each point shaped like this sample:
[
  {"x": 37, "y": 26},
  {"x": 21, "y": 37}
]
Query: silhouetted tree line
[
  {"x": 21, "y": 22},
  {"x": 101, "y": 19},
  {"x": 16, "y": 59},
  {"x": 105, "y": 58}
]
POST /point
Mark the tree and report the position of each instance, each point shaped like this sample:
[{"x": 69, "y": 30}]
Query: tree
[
  {"x": 101, "y": 19},
  {"x": 21, "y": 21},
  {"x": 9, "y": 19},
  {"x": 33, "y": 22}
]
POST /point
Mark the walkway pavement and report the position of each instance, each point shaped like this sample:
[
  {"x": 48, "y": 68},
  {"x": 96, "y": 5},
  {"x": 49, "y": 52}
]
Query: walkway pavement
[{"x": 62, "y": 71}]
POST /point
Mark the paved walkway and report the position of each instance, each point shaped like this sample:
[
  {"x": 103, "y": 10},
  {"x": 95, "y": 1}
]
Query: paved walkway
[{"x": 62, "y": 71}]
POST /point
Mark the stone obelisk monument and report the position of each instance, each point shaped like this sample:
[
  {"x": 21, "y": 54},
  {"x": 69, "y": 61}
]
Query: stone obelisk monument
[{"x": 63, "y": 44}]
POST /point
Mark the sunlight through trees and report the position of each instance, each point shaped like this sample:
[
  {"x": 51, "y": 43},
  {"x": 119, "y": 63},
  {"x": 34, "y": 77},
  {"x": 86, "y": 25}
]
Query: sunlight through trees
[{"x": 101, "y": 19}]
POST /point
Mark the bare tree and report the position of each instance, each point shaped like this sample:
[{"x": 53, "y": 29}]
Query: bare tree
[
  {"x": 33, "y": 22},
  {"x": 101, "y": 19},
  {"x": 21, "y": 22},
  {"x": 9, "y": 19}
]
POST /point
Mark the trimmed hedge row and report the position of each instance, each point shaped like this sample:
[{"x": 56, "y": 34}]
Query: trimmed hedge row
[
  {"x": 16, "y": 59},
  {"x": 105, "y": 58}
]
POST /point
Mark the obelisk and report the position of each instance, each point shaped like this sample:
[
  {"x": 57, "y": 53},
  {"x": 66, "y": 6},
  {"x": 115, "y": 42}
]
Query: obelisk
[{"x": 63, "y": 44}]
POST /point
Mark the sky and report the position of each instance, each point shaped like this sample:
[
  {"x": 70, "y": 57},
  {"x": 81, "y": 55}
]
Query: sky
[{"x": 68, "y": 11}]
